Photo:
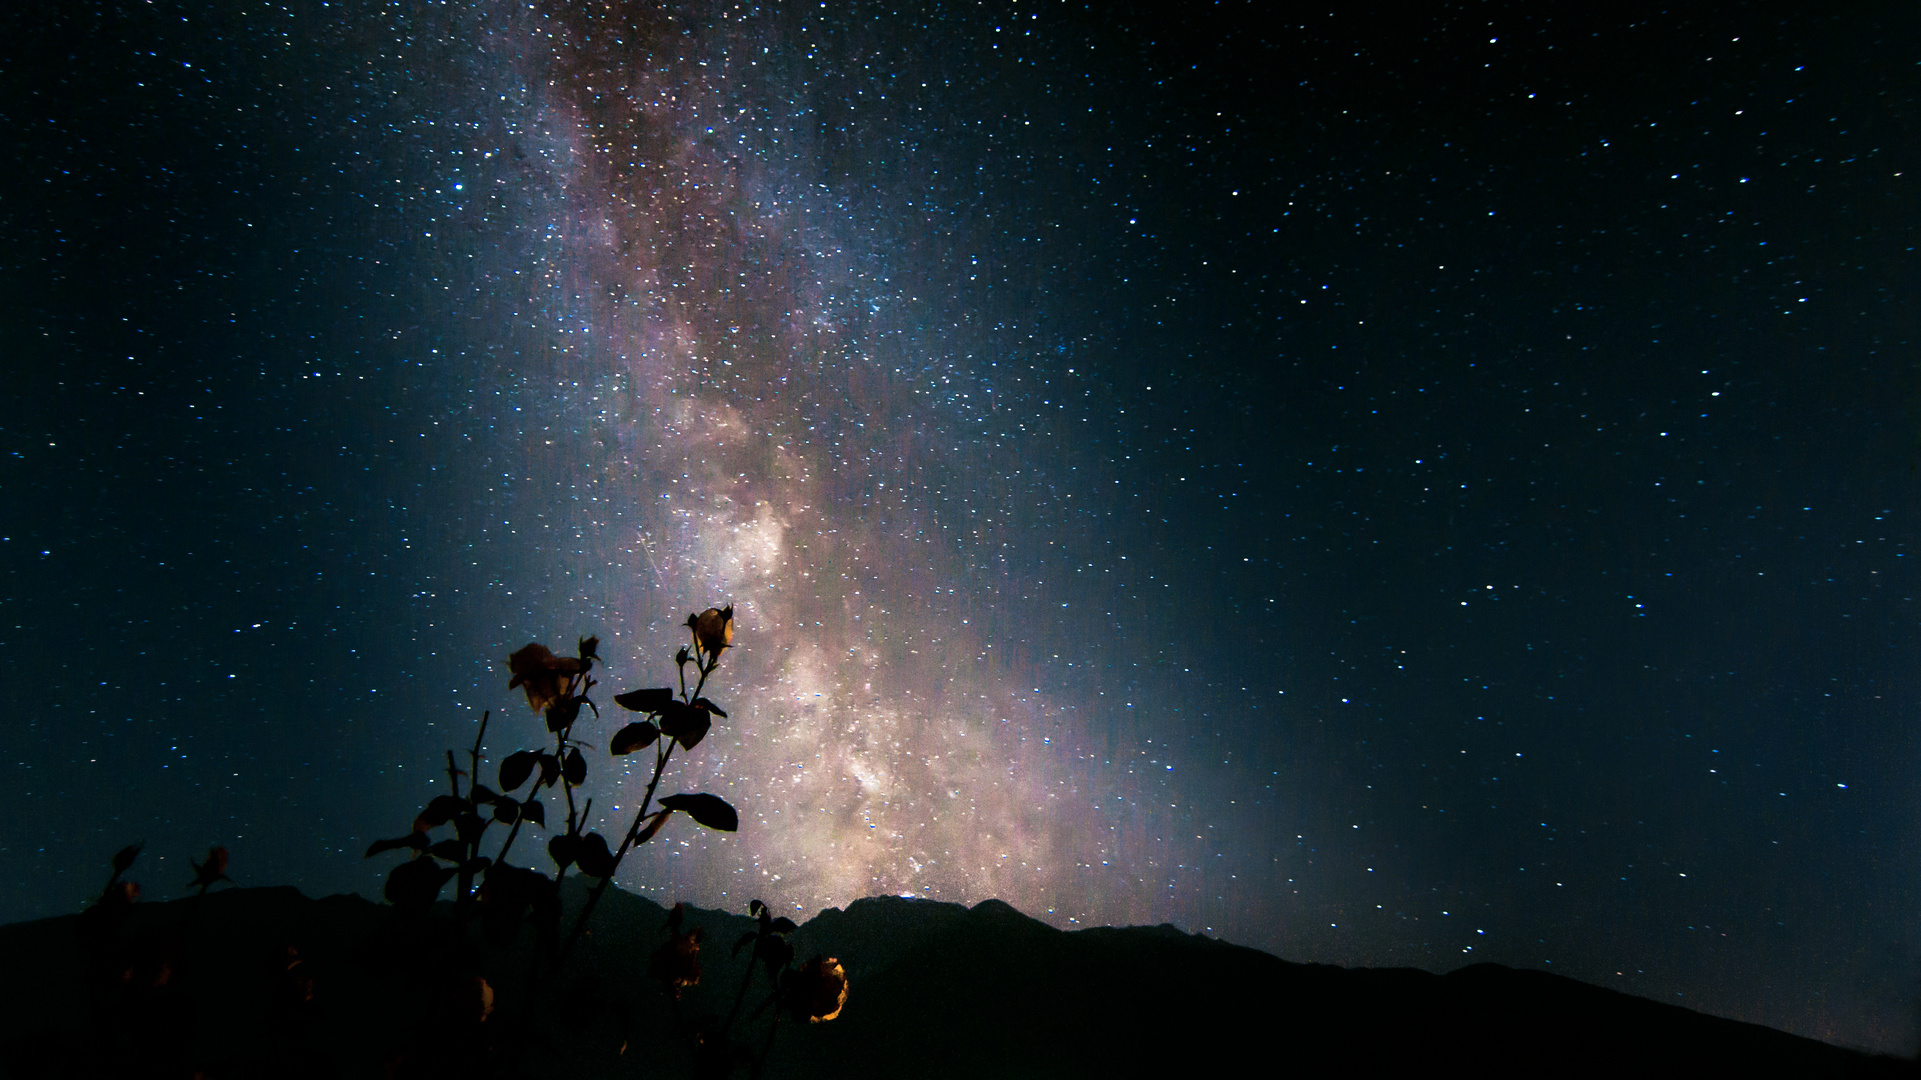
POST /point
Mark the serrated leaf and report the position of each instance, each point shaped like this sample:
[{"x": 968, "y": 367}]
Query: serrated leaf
[
  {"x": 710, "y": 810},
  {"x": 593, "y": 858},
  {"x": 634, "y": 737},
  {"x": 574, "y": 768},
  {"x": 516, "y": 769},
  {"x": 645, "y": 701}
]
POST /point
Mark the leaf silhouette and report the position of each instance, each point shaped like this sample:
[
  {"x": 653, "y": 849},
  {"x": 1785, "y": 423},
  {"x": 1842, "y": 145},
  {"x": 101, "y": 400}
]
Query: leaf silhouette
[
  {"x": 783, "y": 925},
  {"x": 440, "y": 811},
  {"x": 507, "y": 811},
  {"x": 414, "y": 886},
  {"x": 653, "y": 827},
  {"x": 634, "y": 737},
  {"x": 416, "y": 841},
  {"x": 481, "y": 793},
  {"x": 562, "y": 849},
  {"x": 533, "y": 811},
  {"x": 748, "y": 938},
  {"x": 574, "y": 768},
  {"x": 549, "y": 769},
  {"x": 451, "y": 850},
  {"x": 517, "y": 768},
  {"x": 593, "y": 858},
  {"x": 645, "y": 701},
  {"x": 703, "y": 703},
  {"x": 710, "y": 810},
  {"x": 687, "y": 723},
  {"x": 123, "y": 859}
]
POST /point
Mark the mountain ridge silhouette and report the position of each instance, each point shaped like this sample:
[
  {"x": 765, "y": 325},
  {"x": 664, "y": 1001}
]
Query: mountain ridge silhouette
[{"x": 938, "y": 989}]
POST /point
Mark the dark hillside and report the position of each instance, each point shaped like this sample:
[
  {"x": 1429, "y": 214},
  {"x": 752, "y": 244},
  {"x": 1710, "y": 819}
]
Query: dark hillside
[{"x": 938, "y": 990}]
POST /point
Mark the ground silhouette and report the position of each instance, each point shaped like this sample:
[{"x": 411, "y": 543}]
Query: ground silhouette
[{"x": 938, "y": 990}]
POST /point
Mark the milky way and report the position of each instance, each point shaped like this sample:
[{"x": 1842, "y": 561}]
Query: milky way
[
  {"x": 782, "y": 394},
  {"x": 1385, "y": 494}
]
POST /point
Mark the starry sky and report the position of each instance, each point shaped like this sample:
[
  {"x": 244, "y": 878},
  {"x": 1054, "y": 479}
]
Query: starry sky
[{"x": 1386, "y": 492}]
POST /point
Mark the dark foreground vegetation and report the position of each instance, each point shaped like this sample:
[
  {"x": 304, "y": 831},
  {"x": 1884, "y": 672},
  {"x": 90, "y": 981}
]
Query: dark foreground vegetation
[
  {"x": 499, "y": 956},
  {"x": 280, "y": 985}
]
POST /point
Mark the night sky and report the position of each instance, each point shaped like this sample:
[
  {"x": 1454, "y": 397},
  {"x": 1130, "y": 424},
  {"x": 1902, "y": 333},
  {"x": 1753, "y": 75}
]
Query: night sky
[{"x": 1385, "y": 492}]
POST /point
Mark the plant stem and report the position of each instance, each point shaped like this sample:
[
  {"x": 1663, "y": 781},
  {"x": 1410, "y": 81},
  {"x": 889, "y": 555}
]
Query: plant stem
[
  {"x": 560, "y": 752},
  {"x": 753, "y": 962},
  {"x": 633, "y": 831},
  {"x": 593, "y": 898},
  {"x": 511, "y": 834},
  {"x": 767, "y": 1047}
]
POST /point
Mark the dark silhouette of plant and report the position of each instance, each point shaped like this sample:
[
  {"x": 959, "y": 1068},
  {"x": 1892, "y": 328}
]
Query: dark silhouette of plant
[
  {"x": 499, "y": 897},
  {"x": 812, "y": 993},
  {"x": 207, "y": 874},
  {"x": 139, "y": 1019}
]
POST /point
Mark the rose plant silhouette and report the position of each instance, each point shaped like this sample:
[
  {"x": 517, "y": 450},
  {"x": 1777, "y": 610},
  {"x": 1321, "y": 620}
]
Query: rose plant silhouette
[{"x": 495, "y": 899}]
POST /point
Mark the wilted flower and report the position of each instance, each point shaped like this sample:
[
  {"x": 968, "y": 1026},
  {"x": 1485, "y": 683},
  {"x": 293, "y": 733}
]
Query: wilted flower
[
  {"x": 713, "y": 630},
  {"x": 676, "y": 965},
  {"x": 817, "y": 990},
  {"x": 549, "y": 679}
]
